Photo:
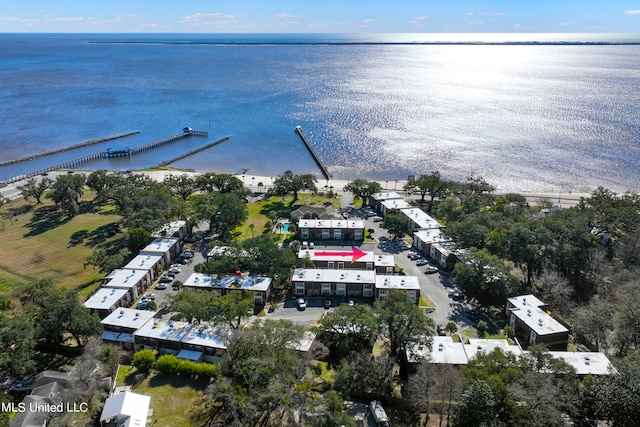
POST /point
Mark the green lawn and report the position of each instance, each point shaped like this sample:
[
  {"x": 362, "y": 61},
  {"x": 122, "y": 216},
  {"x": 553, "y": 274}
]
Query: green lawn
[
  {"x": 46, "y": 244},
  {"x": 176, "y": 401}
]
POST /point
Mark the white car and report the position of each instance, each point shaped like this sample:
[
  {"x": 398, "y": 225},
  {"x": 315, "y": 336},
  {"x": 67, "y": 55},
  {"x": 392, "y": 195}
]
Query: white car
[
  {"x": 161, "y": 286},
  {"x": 302, "y": 304}
]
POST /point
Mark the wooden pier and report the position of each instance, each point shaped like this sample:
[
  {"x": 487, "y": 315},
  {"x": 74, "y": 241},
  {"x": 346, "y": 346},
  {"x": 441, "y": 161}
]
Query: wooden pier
[
  {"x": 63, "y": 149},
  {"x": 123, "y": 152},
  {"x": 164, "y": 141},
  {"x": 321, "y": 165},
  {"x": 192, "y": 152}
]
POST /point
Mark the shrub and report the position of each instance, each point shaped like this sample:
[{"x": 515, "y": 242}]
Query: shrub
[
  {"x": 143, "y": 360},
  {"x": 170, "y": 364},
  {"x": 482, "y": 328}
]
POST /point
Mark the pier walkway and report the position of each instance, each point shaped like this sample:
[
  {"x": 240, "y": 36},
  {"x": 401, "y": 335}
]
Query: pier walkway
[
  {"x": 192, "y": 152},
  {"x": 124, "y": 152},
  {"x": 68, "y": 148},
  {"x": 321, "y": 165}
]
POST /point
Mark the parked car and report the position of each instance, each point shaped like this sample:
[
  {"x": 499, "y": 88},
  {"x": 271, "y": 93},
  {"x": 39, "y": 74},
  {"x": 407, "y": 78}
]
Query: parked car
[
  {"x": 421, "y": 262},
  {"x": 327, "y": 303},
  {"x": 175, "y": 269},
  {"x": 187, "y": 255},
  {"x": 305, "y": 245},
  {"x": 311, "y": 245},
  {"x": 413, "y": 256},
  {"x": 149, "y": 297},
  {"x": 351, "y": 303},
  {"x": 142, "y": 305},
  {"x": 166, "y": 279},
  {"x": 431, "y": 270},
  {"x": 302, "y": 304},
  {"x": 161, "y": 286},
  {"x": 377, "y": 219},
  {"x": 378, "y": 413},
  {"x": 441, "y": 330},
  {"x": 455, "y": 294}
]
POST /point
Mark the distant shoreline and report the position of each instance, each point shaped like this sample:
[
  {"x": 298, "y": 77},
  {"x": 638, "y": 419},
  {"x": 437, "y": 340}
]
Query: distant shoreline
[{"x": 379, "y": 43}]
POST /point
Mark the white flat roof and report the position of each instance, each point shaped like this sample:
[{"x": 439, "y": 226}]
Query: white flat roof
[
  {"x": 144, "y": 262},
  {"x": 331, "y": 223},
  {"x": 128, "y": 406},
  {"x": 214, "y": 281},
  {"x": 316, "y": 275},
  {"x": 124, "y": 278},
  {"x": 305, "y": 342},
  {"x": 386, "y": 196},
  {"x": 432, "y": 235},
  {"x": 421, "y": 218},
  {"x": 128, "y": 318},
  {"x": 586, "y": 363},
  {"x": 384, "y": 261},
  {"x": 397, "y": 282},
  {"x": 206, "y": 336},
  {"x": 396, "y": 204},
  {"x": 160, "y": 245},
  {"x": 105, "y": 298},
  {"x": 525, "y": 301},
  {"x": 443, "y": 350},
  {"x": 333, "y": 255},
  {"x": 539, "y": 321},
  {"x": 486, "y": 346},
  {"x": 169, "y": 330},
  {"x": 169, "y": 229}
]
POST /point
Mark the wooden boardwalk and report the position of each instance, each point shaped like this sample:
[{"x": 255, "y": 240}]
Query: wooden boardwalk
[{"x": 321, "y": 165}]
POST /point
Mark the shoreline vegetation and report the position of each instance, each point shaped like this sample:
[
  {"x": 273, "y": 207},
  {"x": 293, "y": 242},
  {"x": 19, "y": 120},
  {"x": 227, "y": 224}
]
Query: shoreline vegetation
[{"x": 253, "y": 182}]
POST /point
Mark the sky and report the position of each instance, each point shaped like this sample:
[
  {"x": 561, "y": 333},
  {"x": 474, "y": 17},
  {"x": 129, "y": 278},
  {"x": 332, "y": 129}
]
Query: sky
[{"x": 320, "y": 16}]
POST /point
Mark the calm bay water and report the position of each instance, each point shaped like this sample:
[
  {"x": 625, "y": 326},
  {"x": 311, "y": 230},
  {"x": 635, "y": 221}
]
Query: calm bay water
[{"x": 528, "y": 117}]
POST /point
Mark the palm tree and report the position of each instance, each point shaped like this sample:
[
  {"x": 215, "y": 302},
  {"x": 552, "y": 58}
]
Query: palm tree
[{"x": 251, "y": 227}]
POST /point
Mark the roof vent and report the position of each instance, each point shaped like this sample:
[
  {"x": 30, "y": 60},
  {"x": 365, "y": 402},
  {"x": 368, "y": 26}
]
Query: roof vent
[
  {"x": 587, "y": 360},
  {"x": 529, "y": 312},
  {"x": 137, "y": 314},
  {"x": 121, "y": 311}
]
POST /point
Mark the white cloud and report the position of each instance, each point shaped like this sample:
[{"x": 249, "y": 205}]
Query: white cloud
[
  {"x": 68, "y": 19},
  {"x": 368, "y": 21},
  {"x": 632, "y": 12},
  {"x": 207, "y": 19},
  {"x": 419, "y": 19},
  {"x": 485, "y": 14}
]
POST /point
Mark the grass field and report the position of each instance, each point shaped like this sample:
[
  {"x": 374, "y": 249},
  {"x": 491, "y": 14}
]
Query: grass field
[
  {"x": 45, "y": 244},
  {"x": 176, "y": 401}
]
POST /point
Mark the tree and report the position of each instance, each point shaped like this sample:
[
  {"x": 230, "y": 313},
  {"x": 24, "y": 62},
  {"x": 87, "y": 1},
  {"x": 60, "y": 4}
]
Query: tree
[
  {"x": 181, "y": 185},
  {"x": 35, "y": 188},
  {"x": 451, "y": 327},
  {"x": 594, "y": 323},
  {"x": 224, "y": 211},
  {"x": 614, "y": 397},
  {"x": 107, "y": 262},
  {"x": 17, "y": 345},
  {"x": 57, "y": 312},
  {"x": 363, "y": 189},
  {"x": 138, "y": 239},
  {"x": 221, "y": 182},
  {"x": 66, "y": 192},
  {"x": 193, "y": 305},
  {"x": 363, "y": 374},
  {"x": 403, "y": 321},
  {"x": 143, "y": 360},
  {"x": 477, "y": 407},
  {"x": 397, "y": 224},
  {"x": 232, "y": 308},
  {"x": 288, "y": 183},
  {"x": 484, "y": 277},
  {"x": 349, "y": 329},
  {"x": 525, "y": 244},
  {"x": 432, "y": 184}
]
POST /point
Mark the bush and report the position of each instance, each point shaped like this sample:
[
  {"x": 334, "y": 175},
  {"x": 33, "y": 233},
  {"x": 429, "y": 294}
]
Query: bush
[
  {"x": 482, "y": 328},
  {"x": 170, "y": 364},
  {"x": 144, "y": 360}
]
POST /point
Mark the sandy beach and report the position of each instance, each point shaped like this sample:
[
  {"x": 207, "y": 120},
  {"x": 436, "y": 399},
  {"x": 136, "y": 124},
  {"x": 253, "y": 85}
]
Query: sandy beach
[{"x": 253, "y": 182}]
